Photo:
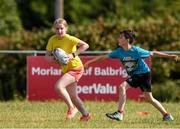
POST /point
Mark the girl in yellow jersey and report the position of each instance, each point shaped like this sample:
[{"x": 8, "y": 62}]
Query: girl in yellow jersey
[{"x": 72, "y": 72}]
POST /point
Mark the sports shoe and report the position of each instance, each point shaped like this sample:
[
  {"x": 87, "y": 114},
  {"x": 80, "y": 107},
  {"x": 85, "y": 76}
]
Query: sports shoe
[
  {"x": 168, "y": 118},
  {"x": 85, "y": 118},
  {"x": 71, "y": 112},
  {"x": 115, "y": 116}
]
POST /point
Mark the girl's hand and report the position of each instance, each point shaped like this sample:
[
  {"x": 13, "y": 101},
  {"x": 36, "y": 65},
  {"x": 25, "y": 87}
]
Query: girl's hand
[
  {"x": 70, "y": 56},
  {"x": 49, "y": 57}
]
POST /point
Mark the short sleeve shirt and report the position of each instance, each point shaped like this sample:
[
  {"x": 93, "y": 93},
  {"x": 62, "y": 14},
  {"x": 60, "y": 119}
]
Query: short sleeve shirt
[
  {"x": 132, "y": 60},
  {"x": 69, "y": 44}
]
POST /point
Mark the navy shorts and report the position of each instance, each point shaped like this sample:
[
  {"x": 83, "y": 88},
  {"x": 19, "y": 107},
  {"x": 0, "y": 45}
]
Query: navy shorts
[{"x": 143, "y": 81}]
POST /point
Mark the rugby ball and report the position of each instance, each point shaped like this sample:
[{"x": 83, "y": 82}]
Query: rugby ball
[{"x": 61, "y": 56}]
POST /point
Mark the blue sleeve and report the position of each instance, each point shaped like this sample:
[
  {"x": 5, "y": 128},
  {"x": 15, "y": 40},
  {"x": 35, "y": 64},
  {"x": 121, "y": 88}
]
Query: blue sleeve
[
  {"x": 143, "y": 53},
  {"x": 113, "y": 54}
]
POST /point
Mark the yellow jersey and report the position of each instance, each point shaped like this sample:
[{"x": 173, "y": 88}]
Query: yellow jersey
[{"x": 69, "y": 44}]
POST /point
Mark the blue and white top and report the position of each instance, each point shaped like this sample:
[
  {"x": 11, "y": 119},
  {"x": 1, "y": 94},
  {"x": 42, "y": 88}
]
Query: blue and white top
[{"x": 132, "y": 59}]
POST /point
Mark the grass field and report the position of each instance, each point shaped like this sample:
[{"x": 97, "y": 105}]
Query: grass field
[{"x": 52, "y": 115}]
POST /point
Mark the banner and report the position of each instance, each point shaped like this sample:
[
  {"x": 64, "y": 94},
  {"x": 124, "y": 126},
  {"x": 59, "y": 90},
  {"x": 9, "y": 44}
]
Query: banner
[{"x": 100, "y": 81}]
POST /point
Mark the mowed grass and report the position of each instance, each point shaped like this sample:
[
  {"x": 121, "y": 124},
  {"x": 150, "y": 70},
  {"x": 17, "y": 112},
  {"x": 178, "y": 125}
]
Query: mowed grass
[{"x": 52, "y": 115}]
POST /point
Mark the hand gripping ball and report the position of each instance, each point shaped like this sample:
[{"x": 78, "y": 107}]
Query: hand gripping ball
[{"x": 61, "y": 56}]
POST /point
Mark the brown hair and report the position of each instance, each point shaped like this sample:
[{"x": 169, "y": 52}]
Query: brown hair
[{"x": 129, "y": 34}]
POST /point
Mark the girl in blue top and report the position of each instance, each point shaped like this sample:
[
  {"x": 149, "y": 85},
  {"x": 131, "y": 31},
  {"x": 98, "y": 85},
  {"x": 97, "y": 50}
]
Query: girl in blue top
[{"x": 138, "y": 72}]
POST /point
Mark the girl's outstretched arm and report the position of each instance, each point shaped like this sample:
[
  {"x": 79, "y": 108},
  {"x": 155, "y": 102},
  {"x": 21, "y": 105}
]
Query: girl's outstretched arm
[
  {"x": 162, "y": 54},
  {"x": 96, "y": 59}
]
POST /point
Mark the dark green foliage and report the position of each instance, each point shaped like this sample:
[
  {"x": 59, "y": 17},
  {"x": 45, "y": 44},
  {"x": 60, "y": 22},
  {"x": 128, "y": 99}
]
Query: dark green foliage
[
  {"x": 36, "y": 14},
  {"x": 167, "y": 91},
  {"x": 9, "y": 17},
  {"x": 13, "y": 67}
]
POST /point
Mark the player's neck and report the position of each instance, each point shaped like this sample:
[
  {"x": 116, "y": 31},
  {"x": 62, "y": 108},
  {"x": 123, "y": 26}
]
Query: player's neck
[
  {"x": 61, "y": 36},
  {"x": 127, "y": 47}
]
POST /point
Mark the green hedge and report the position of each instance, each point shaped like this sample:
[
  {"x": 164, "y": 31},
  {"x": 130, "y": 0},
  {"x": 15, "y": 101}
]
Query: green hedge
[{"x": 168, "y": 90}]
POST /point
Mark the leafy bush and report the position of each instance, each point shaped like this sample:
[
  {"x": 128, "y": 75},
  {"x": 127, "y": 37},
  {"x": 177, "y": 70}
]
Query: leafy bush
[
  {"x": 167, "y": 91},
  {"x": 10, "y": 22},
  {"x": 35, "y": 14},
  {"x": 13, "y": 68}
]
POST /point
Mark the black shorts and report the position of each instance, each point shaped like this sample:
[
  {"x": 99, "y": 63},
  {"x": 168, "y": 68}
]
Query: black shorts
[{"x": 143, "y": 81}]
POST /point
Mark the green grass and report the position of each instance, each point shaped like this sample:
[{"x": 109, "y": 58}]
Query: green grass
[{"x": 52, "y": 115}]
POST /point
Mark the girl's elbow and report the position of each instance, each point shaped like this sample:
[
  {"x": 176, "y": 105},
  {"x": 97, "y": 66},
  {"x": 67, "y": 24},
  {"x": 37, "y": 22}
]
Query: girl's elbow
[{"x": 87, "y": 46}]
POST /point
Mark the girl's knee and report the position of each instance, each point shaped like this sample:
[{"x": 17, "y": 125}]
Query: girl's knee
[{"x": 58, "y": 88}]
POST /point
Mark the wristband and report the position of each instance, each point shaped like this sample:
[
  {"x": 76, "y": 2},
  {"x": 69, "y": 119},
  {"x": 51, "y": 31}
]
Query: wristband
[{"x": 74, "y": 55}]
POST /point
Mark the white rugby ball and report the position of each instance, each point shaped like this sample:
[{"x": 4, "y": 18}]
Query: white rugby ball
[{"x": 61, "y": 56}]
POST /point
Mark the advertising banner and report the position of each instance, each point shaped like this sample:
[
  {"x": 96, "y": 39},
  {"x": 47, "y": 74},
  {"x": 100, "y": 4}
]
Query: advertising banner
[{"x": 100, "y": 81}]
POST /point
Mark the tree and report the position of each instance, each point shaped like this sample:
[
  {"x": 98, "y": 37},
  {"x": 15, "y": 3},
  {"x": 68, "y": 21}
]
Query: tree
[{"x": 9, "y": 17}]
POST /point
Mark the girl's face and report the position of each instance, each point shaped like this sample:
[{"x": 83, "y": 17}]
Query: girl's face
[
  {"x": 122, "y": 40},
  {"x": 60, "y": 30}
]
